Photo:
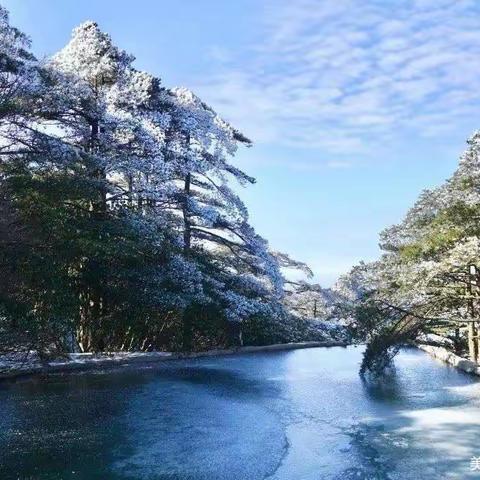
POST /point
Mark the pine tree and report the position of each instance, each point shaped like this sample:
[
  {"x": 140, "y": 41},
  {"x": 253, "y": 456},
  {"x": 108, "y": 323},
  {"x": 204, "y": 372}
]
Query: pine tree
[
  {"x": 234, "y": 270},
  {"x": 423, "y": 281},
  {"x": 133, "y": 235}
]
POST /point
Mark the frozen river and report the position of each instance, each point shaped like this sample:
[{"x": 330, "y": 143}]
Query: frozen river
[{"x": 296, "y": 415}]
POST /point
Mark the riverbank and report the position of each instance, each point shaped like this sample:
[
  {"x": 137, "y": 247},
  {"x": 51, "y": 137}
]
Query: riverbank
[
  {"x": 447, "y": 356},
  {"x": 21, "y": 365}
]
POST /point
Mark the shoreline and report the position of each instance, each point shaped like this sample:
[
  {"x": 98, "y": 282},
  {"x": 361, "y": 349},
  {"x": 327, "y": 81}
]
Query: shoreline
[
  {"x": 450, "y": 358},
  {"x": 75, "y": 362}
]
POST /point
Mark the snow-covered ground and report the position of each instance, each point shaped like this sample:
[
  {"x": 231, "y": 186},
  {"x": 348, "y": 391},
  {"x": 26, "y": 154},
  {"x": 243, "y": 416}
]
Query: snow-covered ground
[
  {"x": 432, "y": 338},
  {"x": 21, "y": 363},
  {"x": 447, "y": 356}
]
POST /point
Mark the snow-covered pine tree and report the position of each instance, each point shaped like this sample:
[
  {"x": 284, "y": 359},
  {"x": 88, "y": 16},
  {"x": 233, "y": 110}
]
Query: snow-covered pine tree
[
  {"x": 111, "y": 116},
  {"x": 423, "y": 279},
  {"x": 17, "y": 69},
  {"x": 229, "y": 265},
  {"x": 127, "y": 187},
  {"x": 36, "y": 300}
]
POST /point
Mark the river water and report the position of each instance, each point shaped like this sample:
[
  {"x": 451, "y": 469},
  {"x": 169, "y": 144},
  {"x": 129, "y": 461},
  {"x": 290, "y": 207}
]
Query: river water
[{"x": 296, "y": 415}]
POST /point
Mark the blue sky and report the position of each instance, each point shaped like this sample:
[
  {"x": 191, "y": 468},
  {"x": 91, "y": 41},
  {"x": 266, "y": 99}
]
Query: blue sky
[{"x": 354, "y": 106}]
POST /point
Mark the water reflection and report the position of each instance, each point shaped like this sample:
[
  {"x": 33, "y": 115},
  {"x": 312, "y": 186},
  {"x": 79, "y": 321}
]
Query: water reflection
[{"x": 385, "y": 388}]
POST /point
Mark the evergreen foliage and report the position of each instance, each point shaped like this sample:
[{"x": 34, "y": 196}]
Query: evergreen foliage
[{"x": 119, "y": 226}]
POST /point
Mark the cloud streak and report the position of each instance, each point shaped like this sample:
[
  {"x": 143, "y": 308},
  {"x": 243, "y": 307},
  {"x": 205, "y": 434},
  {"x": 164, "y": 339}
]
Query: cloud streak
[{"x": 349, "y": 75}]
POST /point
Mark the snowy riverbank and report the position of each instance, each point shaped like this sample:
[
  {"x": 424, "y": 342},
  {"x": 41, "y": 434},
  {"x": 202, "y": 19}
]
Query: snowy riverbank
[
  {"x": 447, "y": 356},
  {"x": 15, "y": 365}
]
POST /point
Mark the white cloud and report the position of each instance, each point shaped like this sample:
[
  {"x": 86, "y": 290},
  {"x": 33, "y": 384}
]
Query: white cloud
[
  {"x": 338, "y": 164},
  {"x": 348, "y": 75}
]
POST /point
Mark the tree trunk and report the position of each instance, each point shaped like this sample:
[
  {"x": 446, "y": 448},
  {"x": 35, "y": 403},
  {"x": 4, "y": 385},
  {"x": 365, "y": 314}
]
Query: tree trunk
[
  {"x": 187, "y": 330},
  {"x": 93, "y": 308},
  {"x": 457, "y": 340},
  {"x": 472, "y": 330},
  {"x": 472, "y": 342},
  {"x": 235, "y": 334},
  {"x": 187, "y": 231}
]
